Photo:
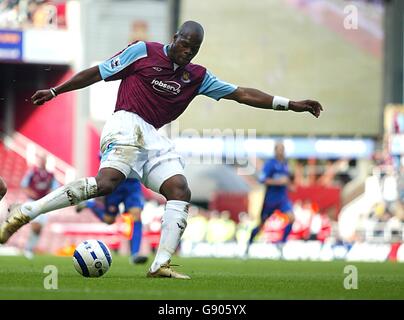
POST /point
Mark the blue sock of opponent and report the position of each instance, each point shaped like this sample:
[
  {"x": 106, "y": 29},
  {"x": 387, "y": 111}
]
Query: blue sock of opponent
[
  {"x": 136, "y": 238},
  {"x": 97, "y": 210},
  {"x": 288, "y": 229},
  {"x": 254, "y": 232}
]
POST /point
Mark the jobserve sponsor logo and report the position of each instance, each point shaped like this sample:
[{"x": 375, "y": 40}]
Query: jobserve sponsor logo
[{"x": 166, "y": 86}]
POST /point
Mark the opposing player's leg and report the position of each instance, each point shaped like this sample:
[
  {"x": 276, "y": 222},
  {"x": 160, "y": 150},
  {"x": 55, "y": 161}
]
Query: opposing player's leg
[
  {"x": 96, "y": 206},
  {"x": 3, "y": 188},
  {"x": 133, "y": 201},
  {"x": 136, "y": 239},
  {"x": 168, "y": 179},
  {"x": 286, "y": 207},
  {"x": 71, "y": 194},
  {"x": 266, "y": 212},
  {"x": 104, "y": 212},
  {"x": 111, "y": 206}
]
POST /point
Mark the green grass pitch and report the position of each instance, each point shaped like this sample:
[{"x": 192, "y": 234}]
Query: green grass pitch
[{"x": 211, "y": 279}]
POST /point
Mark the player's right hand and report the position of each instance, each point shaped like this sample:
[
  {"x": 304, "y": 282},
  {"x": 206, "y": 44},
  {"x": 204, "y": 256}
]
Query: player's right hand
[{"x": 41, "y": 96}]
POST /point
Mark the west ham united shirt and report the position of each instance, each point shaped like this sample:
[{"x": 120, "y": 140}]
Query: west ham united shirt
[{"x": 154, "y": 87}]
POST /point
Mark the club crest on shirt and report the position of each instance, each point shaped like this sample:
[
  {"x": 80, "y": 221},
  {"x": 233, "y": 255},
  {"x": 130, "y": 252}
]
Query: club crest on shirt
[
  {"x": 115, "y": 63},
  {"x": 185, "y": 77}
]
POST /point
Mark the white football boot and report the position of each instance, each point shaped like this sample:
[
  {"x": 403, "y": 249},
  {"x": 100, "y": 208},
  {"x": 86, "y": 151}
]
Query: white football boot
[{"x": 165, "y": 271}]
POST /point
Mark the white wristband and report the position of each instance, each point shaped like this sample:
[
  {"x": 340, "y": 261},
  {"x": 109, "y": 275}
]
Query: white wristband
[
  {"x": 53, "y": 92},
  {"x": 280, "y": 103}
]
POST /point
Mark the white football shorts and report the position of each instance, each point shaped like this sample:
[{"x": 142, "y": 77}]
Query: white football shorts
[{"x": 135, "y": 148}]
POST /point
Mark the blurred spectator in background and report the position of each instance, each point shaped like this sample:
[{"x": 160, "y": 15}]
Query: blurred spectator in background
[
  {"x": 197, "y": 226},
  {"x": 214, "y": 229},
  {"x": 37, "y": 182},
  {"x": 32, "y": 13},
  {"x": 390, "y": 187},
  {"x": 8, "y": 14},
  {"x": 220, "y": 228},
  {"x": 244, "y": 228},
  {"x": 139, "y": 31},
  {"x": 400, "y": 181},
  {"x": 320, "y": 224},
  {"x": 229, "y": 226},
  {"x": 303, "y": 210},
  {"x": 398, "y": 122},
  {"x": 44, "y": 15},
  {"x": 383, "y": 160},
  {"x": 332, "y": 168}
]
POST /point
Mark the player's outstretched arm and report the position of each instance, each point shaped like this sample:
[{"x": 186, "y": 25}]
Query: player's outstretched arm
[
  {"x": 259, "y": 99},
  {"x": 80, "y": 80}
]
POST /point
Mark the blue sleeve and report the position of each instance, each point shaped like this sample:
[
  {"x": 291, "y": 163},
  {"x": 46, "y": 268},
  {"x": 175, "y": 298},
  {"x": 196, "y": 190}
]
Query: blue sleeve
[
  {"x": 26, "y": 180},
  {"x": 122, "y": 60},
  {"x": 266, "y": 172},
  {"x": 135, "y": 185},
  {"x": 214, "y": 87}
]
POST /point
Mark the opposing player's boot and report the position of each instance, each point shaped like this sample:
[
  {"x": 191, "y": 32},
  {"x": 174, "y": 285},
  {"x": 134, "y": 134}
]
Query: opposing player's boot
[
  {"x": 15, "y": 220},
  {"x": 81, "y": 206},
  {"x": 136, "y": 259},
  {"x": 165, "y": 271}
]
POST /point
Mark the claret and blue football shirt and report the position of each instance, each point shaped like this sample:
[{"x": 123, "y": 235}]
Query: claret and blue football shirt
[{"x": 154, "y": 87}]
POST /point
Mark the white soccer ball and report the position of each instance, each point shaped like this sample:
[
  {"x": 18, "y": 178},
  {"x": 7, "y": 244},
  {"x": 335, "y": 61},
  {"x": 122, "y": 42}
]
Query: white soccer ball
[{"x": 92, "y": 258}]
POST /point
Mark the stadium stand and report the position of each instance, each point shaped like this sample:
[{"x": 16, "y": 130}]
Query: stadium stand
[
  {"x": 32, "y": 13},
  {"x": 13, "y": 167}
]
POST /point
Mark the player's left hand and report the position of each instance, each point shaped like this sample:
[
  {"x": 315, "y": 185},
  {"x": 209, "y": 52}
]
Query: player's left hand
[{"x": 314, "y": 107}]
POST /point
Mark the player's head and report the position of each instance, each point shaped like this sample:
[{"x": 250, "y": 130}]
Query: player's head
[
  {"x": 279, "y": 150},
  {"x": 42, "y": 159},
  {"x": 186, "y": 43}
]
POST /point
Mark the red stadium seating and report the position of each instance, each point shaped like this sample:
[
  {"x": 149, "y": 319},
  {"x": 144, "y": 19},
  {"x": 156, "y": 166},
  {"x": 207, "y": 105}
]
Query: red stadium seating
[{"x": 12, "y": 168}]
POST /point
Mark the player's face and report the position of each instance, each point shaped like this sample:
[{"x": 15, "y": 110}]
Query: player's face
[
  {"x": 42, "y": 163},
  {"x": 280, "y": 151},
  {"x": 184, "y": 48}
]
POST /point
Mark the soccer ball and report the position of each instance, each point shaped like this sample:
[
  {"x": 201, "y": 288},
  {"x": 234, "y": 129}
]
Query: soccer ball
[{"x": 92, "y": 258}]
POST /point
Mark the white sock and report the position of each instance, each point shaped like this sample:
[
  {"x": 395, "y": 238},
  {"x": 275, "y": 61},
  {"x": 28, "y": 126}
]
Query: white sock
[
  {"x": 174, "y": 223},
  {"x": 68, "y": 195}
]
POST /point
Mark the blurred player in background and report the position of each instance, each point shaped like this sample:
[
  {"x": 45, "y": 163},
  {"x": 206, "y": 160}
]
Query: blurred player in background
[
  {"x": 275, "y": 176},
  {"x": 37, "y": 182},
  {"x": 129, "y": 192},
  {"x": 158, "y": 83}
]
